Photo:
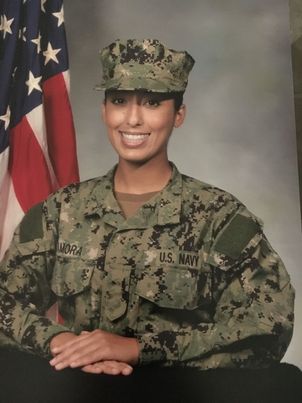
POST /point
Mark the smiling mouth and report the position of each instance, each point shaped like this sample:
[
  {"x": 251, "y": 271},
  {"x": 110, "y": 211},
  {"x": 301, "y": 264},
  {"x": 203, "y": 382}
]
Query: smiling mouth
[{"x": 134, "y": 138}]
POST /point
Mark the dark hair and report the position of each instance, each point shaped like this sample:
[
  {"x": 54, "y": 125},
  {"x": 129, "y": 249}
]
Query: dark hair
[
  {"x": 176, "y": 96},
  {"x": 178, "y": 99}
]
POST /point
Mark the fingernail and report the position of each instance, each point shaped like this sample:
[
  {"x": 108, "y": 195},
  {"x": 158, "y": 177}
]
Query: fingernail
[
  {"x": 127, "y": 371},
  {"x": 59, "y": 366}
]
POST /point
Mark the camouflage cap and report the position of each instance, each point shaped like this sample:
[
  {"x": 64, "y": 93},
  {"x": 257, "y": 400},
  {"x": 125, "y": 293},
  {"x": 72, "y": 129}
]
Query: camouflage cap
[{"x": 144, "y": 65}]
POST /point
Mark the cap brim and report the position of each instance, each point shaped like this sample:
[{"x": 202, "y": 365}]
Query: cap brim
[{"x": 144, "y": 85}]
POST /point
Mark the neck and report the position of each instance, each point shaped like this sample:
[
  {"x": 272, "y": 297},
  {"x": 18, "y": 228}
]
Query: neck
[{"x": 150, "y": 176}]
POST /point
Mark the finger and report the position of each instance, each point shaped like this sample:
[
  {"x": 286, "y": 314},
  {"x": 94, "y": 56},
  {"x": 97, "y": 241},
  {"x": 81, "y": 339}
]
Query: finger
[
  {"x": 78, "y": 356},
  {"x": 109, "y": 368},
  {"x": 116, "y": 367},
  {"x": 92, "y": 369},
  {"x": 127, "y": 370},
  {"x": 70, "y": 343},
  {"x": 83, "y": 346},
  {"x": 91, "y": 349},
  {"x": 101, "y": 369},
  {"x": 91, "y": 354}
]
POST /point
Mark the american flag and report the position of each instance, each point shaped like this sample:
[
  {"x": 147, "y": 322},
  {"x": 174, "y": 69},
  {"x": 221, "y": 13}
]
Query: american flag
[{"x": 37, "y": 139}]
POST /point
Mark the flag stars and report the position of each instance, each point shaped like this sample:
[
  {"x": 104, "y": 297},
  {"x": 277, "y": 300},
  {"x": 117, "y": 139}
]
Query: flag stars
[
  {"x": 33, "y": 83},
  {"x": 51, "y": 54},
  {"x": 5, "y": 25},
  {"x": 37, "y": 42},
  {"x": 22, "y": 34},
  {"x": 6, "y": 118},
  {"x": 59, "y": 16},
  {"x": 42, "y": 5},
  {"x": 14, "y": 72}
]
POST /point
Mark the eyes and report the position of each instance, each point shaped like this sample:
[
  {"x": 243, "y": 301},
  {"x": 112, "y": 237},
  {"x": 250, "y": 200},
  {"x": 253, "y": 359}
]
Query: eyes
[
  {"x": 152, "y": 102},
  {"x": 148, "y": 101},
  {"x": 117, "y": 101}
]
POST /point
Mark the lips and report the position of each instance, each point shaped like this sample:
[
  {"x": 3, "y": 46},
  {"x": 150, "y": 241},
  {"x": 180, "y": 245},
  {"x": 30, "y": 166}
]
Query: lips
[{"x": 134, "y": 139}]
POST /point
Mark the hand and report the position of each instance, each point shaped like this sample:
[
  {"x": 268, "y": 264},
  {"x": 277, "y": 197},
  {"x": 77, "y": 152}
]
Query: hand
[
  {"x": 92, "y": 347},
  {"x": 108, "y": 367},
  {"x": 60, "y": 339}
]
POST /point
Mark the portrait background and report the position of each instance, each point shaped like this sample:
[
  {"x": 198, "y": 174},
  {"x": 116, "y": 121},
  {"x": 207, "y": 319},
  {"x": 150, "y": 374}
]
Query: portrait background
[
  {"x": 296, "y": 47},
  {"x": 239, "y": 132}
]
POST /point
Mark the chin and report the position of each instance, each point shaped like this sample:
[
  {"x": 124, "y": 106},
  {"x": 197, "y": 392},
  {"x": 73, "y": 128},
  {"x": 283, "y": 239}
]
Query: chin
[{"x": 133, "y": 157}]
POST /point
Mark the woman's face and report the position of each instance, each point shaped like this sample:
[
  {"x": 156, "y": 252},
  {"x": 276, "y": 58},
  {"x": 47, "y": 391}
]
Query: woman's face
[{"x": 139, "y": 124}]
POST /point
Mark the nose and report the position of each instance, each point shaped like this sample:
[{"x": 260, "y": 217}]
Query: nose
[{"x": 134, "y": 114}]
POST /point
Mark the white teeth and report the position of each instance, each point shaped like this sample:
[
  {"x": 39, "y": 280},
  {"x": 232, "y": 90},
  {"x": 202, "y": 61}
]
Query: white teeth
[
  {"x": 134, "y": 138},
  {"x": 129, "y": 136}
]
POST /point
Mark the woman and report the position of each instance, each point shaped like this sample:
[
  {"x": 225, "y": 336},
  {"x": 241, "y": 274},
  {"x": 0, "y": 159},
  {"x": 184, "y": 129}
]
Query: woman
[{"x": 147, "y": 265}]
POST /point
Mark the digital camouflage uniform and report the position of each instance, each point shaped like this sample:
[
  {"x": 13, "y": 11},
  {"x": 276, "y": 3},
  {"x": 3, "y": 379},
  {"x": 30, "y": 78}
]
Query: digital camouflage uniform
[{"x": 190, "y": 275}]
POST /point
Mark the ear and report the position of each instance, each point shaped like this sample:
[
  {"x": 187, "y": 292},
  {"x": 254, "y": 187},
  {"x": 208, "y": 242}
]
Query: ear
[{"x": 180, "y": 116}]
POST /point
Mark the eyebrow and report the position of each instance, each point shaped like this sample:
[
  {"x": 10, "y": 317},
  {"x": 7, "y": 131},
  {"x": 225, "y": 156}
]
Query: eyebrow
[{"x": 143, "y": 93}]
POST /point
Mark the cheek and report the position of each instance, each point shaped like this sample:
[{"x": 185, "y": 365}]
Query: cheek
[
  {"x": 162, "y": 122},
  {"x": 113, "y": 119}
]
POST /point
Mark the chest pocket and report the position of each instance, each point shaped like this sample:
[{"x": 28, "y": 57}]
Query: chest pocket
[
  {"x": 71, "y": 276},
  {"x": 175, "y": 287},
  {"x": 78, "y": 302}
]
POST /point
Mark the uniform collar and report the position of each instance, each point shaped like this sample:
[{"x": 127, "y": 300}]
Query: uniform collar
[{"x": 164, "y": 208}]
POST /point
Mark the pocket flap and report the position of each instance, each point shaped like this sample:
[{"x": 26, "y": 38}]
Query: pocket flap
[
  {"x": 71, "y": 276},
  {"x": 116, "y": 292},
  {"x": 174, "y": 287},
  {"x": 32, "y": 247}
]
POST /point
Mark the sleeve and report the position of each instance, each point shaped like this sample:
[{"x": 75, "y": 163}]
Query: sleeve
[
  {"x": 252, "y": 298},
  {"x": 25, "y": 274}
]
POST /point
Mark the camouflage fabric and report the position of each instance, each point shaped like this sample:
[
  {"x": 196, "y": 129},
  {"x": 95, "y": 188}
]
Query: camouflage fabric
[
  {"x": 190, "y": 275},
  {"x": 144, "y": 65}
]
